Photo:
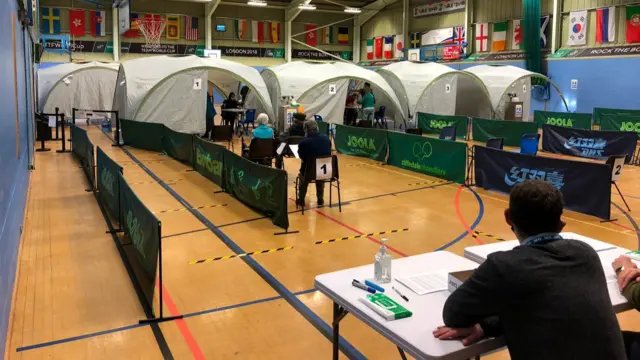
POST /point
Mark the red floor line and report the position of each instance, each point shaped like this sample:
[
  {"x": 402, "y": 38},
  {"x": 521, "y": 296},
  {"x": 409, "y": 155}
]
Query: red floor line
[
  {"x": 394, "y": 250},
  {"x": 624, "y": 227},
  {"x": 456, "y": 202},
  {"x": 182, "y": 325}
]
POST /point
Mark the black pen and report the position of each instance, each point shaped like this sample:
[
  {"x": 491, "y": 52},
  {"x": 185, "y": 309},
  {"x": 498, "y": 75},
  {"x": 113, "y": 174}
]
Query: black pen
[{"x": 398, "y": 292}]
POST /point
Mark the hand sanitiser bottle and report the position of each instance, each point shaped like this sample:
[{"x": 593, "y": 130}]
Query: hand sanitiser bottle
[{"x": 382, "y": 266}]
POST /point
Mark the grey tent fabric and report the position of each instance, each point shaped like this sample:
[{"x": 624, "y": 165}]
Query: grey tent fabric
[
  {"x": 88, "y": 85},
  {"x": 171, "y": 89}
]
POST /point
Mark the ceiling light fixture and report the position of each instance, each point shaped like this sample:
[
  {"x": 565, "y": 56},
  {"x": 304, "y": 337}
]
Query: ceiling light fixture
[
  {"x": 257, "y": 3},
  {"x": 351, "y": 10},
  {"x": 307, "y": 7}
]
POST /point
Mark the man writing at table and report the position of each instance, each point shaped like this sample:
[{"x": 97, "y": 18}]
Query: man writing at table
[
  {"x": 548, "y": 297},
  {"x": 629, "y": 282}
]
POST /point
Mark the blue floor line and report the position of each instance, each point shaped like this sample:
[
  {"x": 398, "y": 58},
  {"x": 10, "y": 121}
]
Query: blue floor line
[
  {"x": 135, "y": 326},
  {"x": 473, "y": 226},
  {"x": 312, "y": 317}
]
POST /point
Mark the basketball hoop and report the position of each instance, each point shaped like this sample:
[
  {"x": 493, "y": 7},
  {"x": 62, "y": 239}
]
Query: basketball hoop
[{"x": 151, "y": 29}]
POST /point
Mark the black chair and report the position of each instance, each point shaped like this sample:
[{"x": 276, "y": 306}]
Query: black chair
[
  {"x": 365, "y": 124},
  {"x": 416, "y": 131},
  {"x": 379, "y": 118},
  {"x": 294, "y": 140},
  {"x": 330, "y": 175},
  {"x": 221, "y": 133},
  {"x": 448, "y": 133},
  {"x": 495, "y": 143},
  {"x": 261, "y": 151}
]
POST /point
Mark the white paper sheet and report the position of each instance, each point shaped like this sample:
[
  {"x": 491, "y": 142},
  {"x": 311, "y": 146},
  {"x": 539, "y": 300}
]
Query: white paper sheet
[
  {"x": 425, "y": 283},
  {"x": 52, "y": 121},
  {"x": 294, "y": 149},
  {"x": 281, "y": 148}
]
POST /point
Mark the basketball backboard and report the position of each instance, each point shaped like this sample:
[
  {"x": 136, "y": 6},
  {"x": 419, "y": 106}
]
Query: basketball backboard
[
  {"x": 124, "y": 14},
  {"x": 213, "y": 53}
]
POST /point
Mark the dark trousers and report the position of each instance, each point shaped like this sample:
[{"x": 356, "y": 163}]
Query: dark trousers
[
  {"x": 632, "y": 344},
  {"x": 350, "y": 116},
  {"x": 210, "y": 126},
  {"x": 303, "y": 189}
]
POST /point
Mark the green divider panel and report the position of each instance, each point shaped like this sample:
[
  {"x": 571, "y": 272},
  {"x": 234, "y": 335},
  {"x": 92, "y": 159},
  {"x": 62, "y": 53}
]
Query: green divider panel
[
  {"x": 210, "y": 160},
  {"x": 598, "y": 113},
  {"x": 108, "y": 184},
  {"x": 79, "y": 144},
  {"x": 511, "y": 131},
  {"x": 260, "y": 187},
  {"x": 142, "y": 135},
  {"x": 621, "y": 122},
  {"x": 323, "y": 127},
  {"x": 432, "y": 123},
  {"x": 178, "y": 145},
  {"x": 371, "y": 143},
  {"x": 435, "y": 157},
  {"x": 570, "y": 120},
  {"x": 143, "y": 231},
  {"x": 90, "y": 168}
]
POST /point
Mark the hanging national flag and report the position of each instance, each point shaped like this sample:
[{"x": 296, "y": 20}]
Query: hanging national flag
[
  {"x": 399, "y": 47},
  {"x": 312, "y": 34},
  {"x": 76, "y": 22},
  {"x": 378, "y": 48},
  {"x": 257, "y": 31},
  {"x": 97, "y": 21},
  {"x": 133, "y": 29},
  {"x": 31, "y": 9},
  {"x": 633, "y": 23},
  {"x": 606, "y": 25},
  {"x": 191, "y": 28},
  {"x": 499, "y": 37},
  {"x": 482, "y": 37},
  {"x": 274, "y": 31},
  {"x": 544, "y": 30},
  {"x": 459, "y": 35},
  {"x": 343, "y": 35},
  {"x": 173, "y": 27},
  {"x": 370, "y": 49},
  {"x": 577, "y": 28},
  {"x": 327, "y": 35},
  {"x": 241, "y": 28},
  {"x": 50, "y": 23},
  {"x": 438, "y": 36},
  {"x": 517, "y": 41},
  {"x": 415, "y": 40},
  {"x": 388, "y": 47}
]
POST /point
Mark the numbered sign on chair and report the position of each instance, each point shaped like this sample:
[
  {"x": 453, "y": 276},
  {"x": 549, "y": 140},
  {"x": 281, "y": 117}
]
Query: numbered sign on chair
[
  {"x": 618, "y": 164},
  {"x": 324, "y": 169}
]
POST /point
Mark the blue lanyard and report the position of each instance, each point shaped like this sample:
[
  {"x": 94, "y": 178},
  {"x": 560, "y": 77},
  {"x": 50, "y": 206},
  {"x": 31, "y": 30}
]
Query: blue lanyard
[{"x": 542, "y": 239}]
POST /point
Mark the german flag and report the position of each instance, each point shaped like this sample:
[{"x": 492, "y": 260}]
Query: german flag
[{"x": 343, "y": 35}]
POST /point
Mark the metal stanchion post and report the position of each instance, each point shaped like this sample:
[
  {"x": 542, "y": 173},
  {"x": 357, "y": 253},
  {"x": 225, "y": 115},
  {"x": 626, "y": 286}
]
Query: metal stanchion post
[{"x": 57, "y": 137}]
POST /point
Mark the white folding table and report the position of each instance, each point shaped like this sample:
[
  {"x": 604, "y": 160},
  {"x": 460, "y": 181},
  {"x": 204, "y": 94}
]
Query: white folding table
[
  {"x": 607, "y": 253},
  {"x": 414, "y": 334}
]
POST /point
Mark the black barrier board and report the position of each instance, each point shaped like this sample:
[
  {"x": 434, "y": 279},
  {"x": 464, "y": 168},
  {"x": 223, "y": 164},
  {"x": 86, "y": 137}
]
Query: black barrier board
[
  {"x": 108, "y": 185},
  {"x": 586, "y": 186},
  {"x": 588, "y": 143}
]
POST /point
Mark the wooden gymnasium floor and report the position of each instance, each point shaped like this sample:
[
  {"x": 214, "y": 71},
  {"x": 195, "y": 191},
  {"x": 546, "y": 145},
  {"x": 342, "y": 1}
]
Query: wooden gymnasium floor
[{"x": 74, "y": 298}]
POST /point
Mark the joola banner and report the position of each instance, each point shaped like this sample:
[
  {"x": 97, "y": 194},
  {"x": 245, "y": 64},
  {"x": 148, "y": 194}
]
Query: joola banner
[
  {"x": 588, "y": 143},
  {"x": 570, "y": 120},
  {"x": 432, "y": 123},
  {"x": 586, "y": 186},
  {"x": 371, "y": 143},
  {"x": 621, "y": 122}
]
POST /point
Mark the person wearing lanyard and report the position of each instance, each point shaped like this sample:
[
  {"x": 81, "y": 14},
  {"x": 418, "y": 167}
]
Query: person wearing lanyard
[
  {"x": 368, "y": 103},
  {"x": 548, "y": 297}
]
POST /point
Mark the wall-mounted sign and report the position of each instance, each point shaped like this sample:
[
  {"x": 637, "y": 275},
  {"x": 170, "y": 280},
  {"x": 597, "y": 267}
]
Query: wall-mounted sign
[{"x": 437, "y": 7}]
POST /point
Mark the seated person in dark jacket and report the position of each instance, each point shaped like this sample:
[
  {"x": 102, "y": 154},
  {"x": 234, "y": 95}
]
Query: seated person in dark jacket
[
  {"x": 314, "y": 145},
  {"x": 229, "y": 117},
  {"x": 629, "y": 283},
  {"x": 297, "y": 128},
  {"x": 548, "y": 297}
]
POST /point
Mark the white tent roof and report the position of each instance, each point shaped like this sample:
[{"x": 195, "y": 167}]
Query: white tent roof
[
  {"x": 298, "y": 79},
  {"x": 84, "y": 85},
  {"x": 162, "y": 89},
  {"x": 410, "y": 80},
  {"x": 498, "y": 79}
]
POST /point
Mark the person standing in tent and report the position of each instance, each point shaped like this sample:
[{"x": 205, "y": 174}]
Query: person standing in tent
[
  {"x": 229, "y": 117},
  {"x": 368, "y": 102},
  {"x": 211, "y": 113}
]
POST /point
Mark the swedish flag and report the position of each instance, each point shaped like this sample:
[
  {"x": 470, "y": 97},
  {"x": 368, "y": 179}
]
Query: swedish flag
[
  {"x": 50, "y": 21},
  {"x": 415, "y": 40}
]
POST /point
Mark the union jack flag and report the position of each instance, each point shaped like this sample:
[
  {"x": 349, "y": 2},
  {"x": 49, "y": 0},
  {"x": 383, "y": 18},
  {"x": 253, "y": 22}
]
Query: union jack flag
[{"x": 458, "y": 35}]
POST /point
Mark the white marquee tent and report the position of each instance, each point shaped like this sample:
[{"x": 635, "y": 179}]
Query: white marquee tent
[
  {"x": 502, "y": 80},
  {"x": 437, "y": 89},
  {"x": 81, "y": 85},
  {"x": 171, "y": 90},
  {"x": 309, "y": 84}
]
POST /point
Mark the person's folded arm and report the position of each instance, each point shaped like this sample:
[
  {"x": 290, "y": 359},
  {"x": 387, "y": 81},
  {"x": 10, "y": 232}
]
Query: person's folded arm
[
  {"x": 476, "y": 301},
  {"x": 632, "y": 294}
]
